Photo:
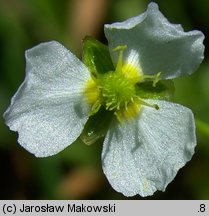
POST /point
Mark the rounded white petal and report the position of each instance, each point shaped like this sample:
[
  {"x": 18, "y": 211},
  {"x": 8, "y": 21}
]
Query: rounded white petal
[
  {"x": 161, "y": 46},
  {"x": 48, "y": 111},
  {"x": 145, "y": 154}
]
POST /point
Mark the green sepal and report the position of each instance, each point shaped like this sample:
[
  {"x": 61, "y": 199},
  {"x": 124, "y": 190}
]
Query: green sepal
[
  {"x": 164, "y": 89},
  {"x": 96, "y": 126},
  {"x": 96, "y": 56}
]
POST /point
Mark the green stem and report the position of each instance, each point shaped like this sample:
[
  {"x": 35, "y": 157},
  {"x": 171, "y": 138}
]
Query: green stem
[{"x": 202, "y": 127}]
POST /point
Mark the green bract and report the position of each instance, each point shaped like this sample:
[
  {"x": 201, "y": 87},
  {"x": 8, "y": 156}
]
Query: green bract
[
  {"x": 96, "y": 56},
  {"x": 120, "y": 94}
]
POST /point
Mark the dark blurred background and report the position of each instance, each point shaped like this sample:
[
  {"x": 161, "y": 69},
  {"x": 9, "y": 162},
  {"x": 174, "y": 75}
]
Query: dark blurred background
[{"x": 76, "y": 173}]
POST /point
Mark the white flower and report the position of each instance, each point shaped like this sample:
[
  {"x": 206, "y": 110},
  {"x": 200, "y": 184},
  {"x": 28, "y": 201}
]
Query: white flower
[{"x": 150, "y": 140}]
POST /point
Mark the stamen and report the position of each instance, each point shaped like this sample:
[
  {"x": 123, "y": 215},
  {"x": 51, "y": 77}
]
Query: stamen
[
  {"x": 142, "y": 102},
  {"x": 119, "y": 66},
  {"x": 155, "y": 78}
]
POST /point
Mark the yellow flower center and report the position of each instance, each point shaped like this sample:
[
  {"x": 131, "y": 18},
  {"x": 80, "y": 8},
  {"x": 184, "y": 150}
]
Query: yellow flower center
[{"x": 116, "y": 90}]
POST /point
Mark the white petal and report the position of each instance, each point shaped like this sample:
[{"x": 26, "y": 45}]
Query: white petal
[
  {"x": 144, "y": 155},
  {"x": 161, "y": 46},
  {"x": 48, "y": 110},
  {"x": 133, "y": 60}
]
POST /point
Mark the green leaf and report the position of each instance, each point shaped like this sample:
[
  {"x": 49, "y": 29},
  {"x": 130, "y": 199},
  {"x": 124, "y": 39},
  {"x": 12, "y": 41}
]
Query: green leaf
[
  {"x": 164, "y": 89},
  {"x": 96, "y": 56},
  {"x": 96, "y": 127}
]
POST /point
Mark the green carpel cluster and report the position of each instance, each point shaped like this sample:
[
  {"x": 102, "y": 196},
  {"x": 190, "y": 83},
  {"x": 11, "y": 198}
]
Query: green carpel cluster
[{"x": 117, "y": 91}]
